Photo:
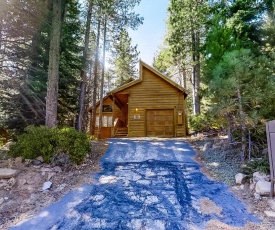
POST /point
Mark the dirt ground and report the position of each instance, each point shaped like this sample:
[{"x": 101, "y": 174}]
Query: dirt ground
[
  {"x": 24, "y": 197},
  {"x": 244, "y": 194}
]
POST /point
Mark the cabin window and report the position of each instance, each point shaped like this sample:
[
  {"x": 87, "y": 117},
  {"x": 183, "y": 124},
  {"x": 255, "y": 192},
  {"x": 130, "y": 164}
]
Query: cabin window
[
  {"x": 106, "y": 121},
  {"x": 107, "y": 108}
]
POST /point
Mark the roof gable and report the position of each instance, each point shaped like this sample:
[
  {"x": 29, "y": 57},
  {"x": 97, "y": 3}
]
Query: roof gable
[{"x": 143, "y": 65}]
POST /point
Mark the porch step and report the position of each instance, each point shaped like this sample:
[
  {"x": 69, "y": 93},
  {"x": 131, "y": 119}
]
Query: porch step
[{"x": 121, "y": 132}]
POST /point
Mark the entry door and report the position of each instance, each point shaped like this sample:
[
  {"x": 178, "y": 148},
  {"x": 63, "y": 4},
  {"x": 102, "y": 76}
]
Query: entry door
[{"x": 160, "y": 123}]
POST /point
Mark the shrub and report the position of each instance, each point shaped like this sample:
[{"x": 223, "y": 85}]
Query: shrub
[
  {"x": 256, "y": 165},
  {"x": 75, "y": 143},
  {"x": 45, "y": 142},
  {"x": 1, "y": 141},
  {"x": 35, "y": 142}
]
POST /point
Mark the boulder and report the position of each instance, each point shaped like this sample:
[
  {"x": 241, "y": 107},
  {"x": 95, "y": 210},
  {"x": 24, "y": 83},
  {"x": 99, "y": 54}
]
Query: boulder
[
  {"x": 240, "y": 178},
  {"x": 263, "y": 187},
  {"x": 7, "y": 173},
  {"x": 40, "y": 158},
  {"x": 36, "y": 162},
  {"x": 47, "y": 185},
  {"x": 270, "y": 213},
  {"x": 57, "y": 169},
  {"x": 260, "y": 176},
  {"x": 18, "y": 160},
  {"x": 257, "y": 196}
]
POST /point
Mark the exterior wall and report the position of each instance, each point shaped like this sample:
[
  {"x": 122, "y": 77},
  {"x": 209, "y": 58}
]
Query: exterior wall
[
  {"x": 153, "y": 93},
  {"x": 107, "y": 132}
]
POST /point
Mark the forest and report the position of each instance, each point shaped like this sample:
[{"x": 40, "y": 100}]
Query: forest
[{"x": 59, "y": 57}]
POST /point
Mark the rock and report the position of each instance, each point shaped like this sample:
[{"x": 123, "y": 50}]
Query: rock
[
  {"x": 40, "y": 158},
  {"x": 259, "y": 176},
  {"x": 60, "y": 187},
  {"x": 270, "y": 213},
  {"x": 28, "y": 161},
  {"x": 263, "y": 187},
  {"x": 240, "y": 178},
  {"x": 252, "y": 186},
  {"x": 242, "y": 187},
  {"x": 6, "y": 173},
  {"x": 1, "y": 200},
  {"x": 44, "y": 170},
  {"x": 51, "y": 174},
  {"x": 257, "y": 196},
  {"x": 33, "y": 178},
  {"x": 36, "y": 162},
  {"x": 271, "y": 204},
  {"x": 57, "y": 169},
  {"x": 46, "y": 185},
  {"x": 11, "y": 182},
  {"x": 18, "y": 160}
]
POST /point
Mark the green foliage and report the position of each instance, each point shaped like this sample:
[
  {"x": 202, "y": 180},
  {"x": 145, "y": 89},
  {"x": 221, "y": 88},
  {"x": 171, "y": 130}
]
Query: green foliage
[
  {"x": 75, "y": 143},
  {"x": 256, "y": 165},
  {"x": 35, "y": 142},
  {"x": 125, "y": 58},
  {"x": 45, "y": 142},
  {"x": 1, "y": 141},
  {"x": 200, "y": 123}
]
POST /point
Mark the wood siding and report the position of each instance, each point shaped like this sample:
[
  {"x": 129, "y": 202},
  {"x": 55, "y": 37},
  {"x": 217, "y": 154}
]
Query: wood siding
[
  {"x": 160, "y": 122},
  {"x": 152, "y": 93},
  {"x": 150, "y": 106}
]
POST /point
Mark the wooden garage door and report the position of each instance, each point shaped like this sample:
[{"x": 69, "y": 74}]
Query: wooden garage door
[{"x": 160, "y": 123}]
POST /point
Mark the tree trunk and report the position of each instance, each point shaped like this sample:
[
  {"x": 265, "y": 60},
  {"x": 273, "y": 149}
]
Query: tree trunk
[
  {"x": 102, "y": 79},
  {"x": 83, "y": 73},
  {"x": 242, "y": 118},
  {"x": 230, "y": 127},
  {"x": 93, "y": 118},
  {"x": 53, "y": 70},
  {"x": 195, "y": 36}
]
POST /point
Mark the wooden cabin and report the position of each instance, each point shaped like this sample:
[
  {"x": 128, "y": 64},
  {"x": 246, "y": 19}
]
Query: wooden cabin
[{"x": 151, "y": 106}]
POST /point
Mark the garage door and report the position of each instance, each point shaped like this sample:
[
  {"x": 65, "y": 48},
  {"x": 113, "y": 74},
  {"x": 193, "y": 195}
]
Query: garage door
[{"x": 160, "y": 123}]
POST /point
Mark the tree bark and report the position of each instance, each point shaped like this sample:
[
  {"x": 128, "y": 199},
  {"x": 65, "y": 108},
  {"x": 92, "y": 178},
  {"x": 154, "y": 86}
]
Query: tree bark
[
  {"x": 102, "y": 79},
  {"x": 53, "y": 70},
  {"x": 230, "y": 127},
  {"x": 242, "y": 118},
  {"x": 83, "y": 73},
  {"x": 93, "y": 118}
]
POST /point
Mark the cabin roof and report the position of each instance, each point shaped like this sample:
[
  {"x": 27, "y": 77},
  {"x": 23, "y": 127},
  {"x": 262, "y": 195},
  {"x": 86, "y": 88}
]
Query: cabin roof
[
  {"x": 134, "y": 82},
  {"x": 131, "y": 82}
]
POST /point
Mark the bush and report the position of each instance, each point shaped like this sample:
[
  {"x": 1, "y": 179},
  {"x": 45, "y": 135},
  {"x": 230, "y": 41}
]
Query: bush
[
  {"x": 256, "y": 165},
  {"x": 75, "y": 143},
  {"x": 45, "y": 142},
  {"x": 1, "y": 141},
  {"x": 37, "y": 141},
  {"x": 199, "y": 123}
]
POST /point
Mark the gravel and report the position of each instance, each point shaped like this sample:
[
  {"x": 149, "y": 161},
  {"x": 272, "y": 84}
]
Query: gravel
[{"x": 221, "y": 160}]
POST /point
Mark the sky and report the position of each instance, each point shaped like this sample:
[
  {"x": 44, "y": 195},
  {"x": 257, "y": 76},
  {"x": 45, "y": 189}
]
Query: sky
[{"x": 150, "y": 34}]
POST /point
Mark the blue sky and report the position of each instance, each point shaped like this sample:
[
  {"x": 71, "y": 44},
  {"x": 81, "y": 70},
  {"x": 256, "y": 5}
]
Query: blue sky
[{"x": 149, "y": 36}]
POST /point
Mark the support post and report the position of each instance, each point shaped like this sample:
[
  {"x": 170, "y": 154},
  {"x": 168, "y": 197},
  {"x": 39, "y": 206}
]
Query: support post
[{"x": 270, "y": 132}]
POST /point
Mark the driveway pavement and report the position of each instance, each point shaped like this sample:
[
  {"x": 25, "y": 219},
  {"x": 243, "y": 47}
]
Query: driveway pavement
[{"x": 144, "y": 184}]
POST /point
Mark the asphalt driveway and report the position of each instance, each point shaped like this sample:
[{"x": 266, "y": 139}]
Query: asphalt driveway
[{"x": 144, "y": 184}]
